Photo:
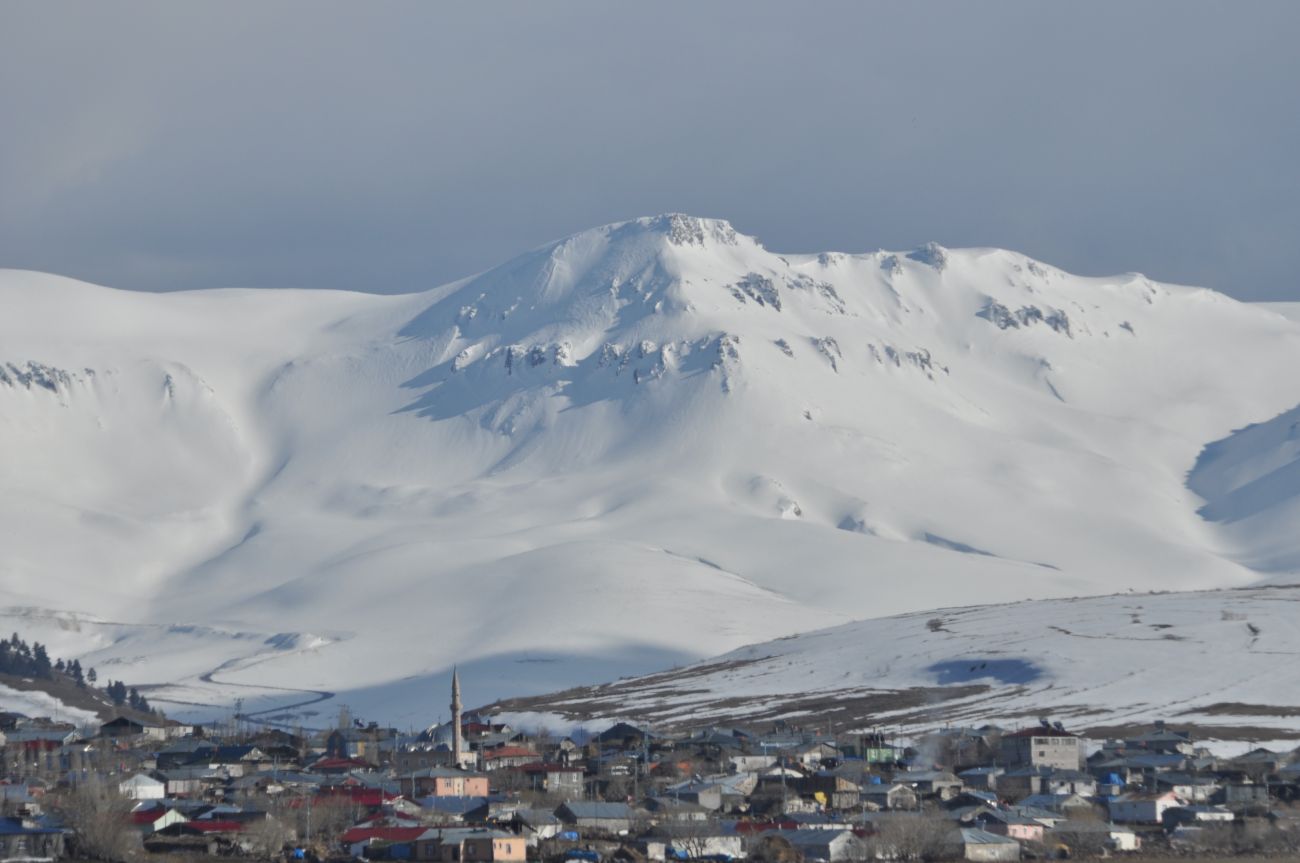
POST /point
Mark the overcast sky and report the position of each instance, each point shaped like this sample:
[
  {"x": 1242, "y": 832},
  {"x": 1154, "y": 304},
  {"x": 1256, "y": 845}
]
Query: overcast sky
[{"x": 394, "y": 146}]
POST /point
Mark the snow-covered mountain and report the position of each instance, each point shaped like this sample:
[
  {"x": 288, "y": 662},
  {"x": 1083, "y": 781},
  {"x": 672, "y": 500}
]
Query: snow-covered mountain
[{"x": 641, "y": 445}]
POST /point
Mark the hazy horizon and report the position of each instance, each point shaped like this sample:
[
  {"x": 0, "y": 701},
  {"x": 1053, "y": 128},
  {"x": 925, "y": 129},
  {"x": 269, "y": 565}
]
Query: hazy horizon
[{"x": 396, "y": 147}]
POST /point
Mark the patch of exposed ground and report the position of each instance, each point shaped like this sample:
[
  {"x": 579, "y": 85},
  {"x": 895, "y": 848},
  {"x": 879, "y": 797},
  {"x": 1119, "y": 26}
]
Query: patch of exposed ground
[
  {"x": 670, "y": 707},
  {"x": 80, "y": 697},
  {"x": 1246, "y": 733},
  {"x": 1236, "y": 708}
]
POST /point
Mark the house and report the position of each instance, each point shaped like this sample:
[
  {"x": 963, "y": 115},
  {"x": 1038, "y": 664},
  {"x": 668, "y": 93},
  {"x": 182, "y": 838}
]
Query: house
[
  {"x": 971, "y": 798},
  {"x": 748, "y": 763},
  {"x": 190, "y": 781},
  {"x": 470, "y": 845},
  {"x": 896, "y": 796},
  {"x": 452, "y": 810},
  {"x": 142, "y": 786},
  {"x": 491, "y": 845},
  {"x": 1046, "y": 817},
  {"x": 623, "y": 735},
  {"x": 1164, "y": 740},
  {"x": 1243, "y": 795},
  {"x": 1085, "y": 836},
  {"x": 873, "y": 748},
  {"x": 700, "y": 792},
  {"x": 364, "y": 842},
  {"x": 830, "y": 789},
  {"x": 1011, "y": 825},
  {"x": 1258, "y": 763},
  {"x": 444, "y": 782},
  {"x": 1045, "y": 746},
  {"x": 1142, "y": 808},
  {"x": 671, "y": 809},
  {"x": 1055, "y": 803},
  {"x": 982, "y": 778},
  {"x": 555, "y": 779},
  {"x": 614, "y": 818},
  {"x": 150, "y": 818},
  {"x": 1021, "y": 781},
  {"x": 932, "y": 783},
  {"x": 971, "y": 843},
  {"x": 812, "y": 753},
  {"x": 673, "y": 842},
  {"x": 508, "y": 756},
  {"x": 830, "y": 846},
  {"x": 535, "y": 825},
  {"x": 24, "y": 839},
  {"x": 1191, "y": 787},
  {"x": 121, "y": 726},
  {"x": 1194, "y": 816}
]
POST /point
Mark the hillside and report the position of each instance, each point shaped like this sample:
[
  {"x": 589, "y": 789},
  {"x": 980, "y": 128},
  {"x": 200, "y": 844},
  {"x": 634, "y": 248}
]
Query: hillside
[
  {"x": 644, "y": 444},
  {"x": 1220, "y": 661}
]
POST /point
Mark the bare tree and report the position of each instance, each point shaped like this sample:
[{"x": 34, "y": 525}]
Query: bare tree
[
  {"x": 100, "y": 817},
  {"x": 1246, "y": 837},
  {"x": 910, "y": 836},
  {"x": 773, "y": 849},
  {"x": 324, "y": 819},
  {"x": 267, "y": 838}
]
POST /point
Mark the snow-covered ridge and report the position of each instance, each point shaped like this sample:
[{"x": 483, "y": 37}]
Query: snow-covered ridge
[
  {"x": 698, "y": 442},
  {"x": 1221, "y": 660}
]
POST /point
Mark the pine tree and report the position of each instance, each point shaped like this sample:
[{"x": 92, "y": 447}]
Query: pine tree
[
  {"x": 91, "y": 676},
  {"x": 41, "y": 666}
]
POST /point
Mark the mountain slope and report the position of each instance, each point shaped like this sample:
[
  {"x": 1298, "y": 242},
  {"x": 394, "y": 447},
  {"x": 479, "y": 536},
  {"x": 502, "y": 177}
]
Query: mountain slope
[
  {"x": 644, "y": 444},
  {"x": 1221, "y": 660}
]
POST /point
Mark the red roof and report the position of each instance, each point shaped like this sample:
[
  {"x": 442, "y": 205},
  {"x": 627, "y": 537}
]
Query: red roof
[
  {"x": 148, "y": 816},
  {"x": 382, "y": 834},
  {"x": 510, "y": 752}
]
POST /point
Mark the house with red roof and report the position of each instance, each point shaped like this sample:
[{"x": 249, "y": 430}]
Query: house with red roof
[
  {"x": 508, "y": 756},
  {"x": 151, "y": 819}
]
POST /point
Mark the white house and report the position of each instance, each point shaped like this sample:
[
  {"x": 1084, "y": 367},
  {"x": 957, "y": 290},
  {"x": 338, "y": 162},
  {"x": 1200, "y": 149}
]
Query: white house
[
  {"x": 1196, "y": 815},
  {"x": 142, "y": 786},
  {"x": 1142, "y": 808},
  {"x": 150, "y": 818},
  {"x": 1115, "y": 836}
]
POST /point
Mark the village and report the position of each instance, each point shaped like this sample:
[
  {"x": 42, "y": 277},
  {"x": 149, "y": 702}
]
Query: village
[{"x": 476, "y": 790}]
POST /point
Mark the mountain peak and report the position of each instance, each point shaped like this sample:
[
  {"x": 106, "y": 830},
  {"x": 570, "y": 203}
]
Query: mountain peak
[{"x": 684, "y": 230}]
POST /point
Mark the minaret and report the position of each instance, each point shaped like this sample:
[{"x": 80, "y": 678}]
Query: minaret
[{"x": 455, "y": 718}]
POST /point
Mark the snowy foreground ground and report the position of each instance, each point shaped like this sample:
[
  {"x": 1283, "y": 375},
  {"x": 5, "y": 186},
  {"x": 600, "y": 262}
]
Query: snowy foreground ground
[{"x": 640, "y": 446}]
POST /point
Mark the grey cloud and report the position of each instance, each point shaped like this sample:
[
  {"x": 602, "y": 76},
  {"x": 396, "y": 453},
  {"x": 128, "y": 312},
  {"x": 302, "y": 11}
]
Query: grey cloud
[{"x": 394, "y": 146}]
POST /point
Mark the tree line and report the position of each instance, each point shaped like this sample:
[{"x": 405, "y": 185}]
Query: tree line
[{"x": 21, "y": 659}]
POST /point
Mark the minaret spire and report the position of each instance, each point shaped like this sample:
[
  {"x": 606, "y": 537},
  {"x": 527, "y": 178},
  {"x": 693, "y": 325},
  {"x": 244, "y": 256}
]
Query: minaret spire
[{"x": 455, "y": 717}]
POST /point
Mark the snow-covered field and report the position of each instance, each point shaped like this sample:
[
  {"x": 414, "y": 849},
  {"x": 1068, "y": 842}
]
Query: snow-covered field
[
  {"x": 639, "y": 446},
  {"x": 1224, "y": 661}
]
